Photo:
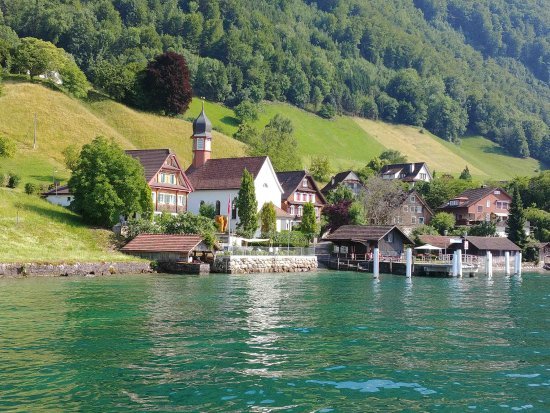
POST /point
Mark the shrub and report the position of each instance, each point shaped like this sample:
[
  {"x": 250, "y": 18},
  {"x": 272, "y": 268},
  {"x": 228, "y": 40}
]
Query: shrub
[
  {"x": 290, "y": 238},
  {"x": 7, "y": 147},
  {"x": 30, "y": 188},
  {"x": 13, "y": 180}
]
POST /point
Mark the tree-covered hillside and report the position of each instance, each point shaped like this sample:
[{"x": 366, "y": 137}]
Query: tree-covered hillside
[{"x": 449, "y": 66}]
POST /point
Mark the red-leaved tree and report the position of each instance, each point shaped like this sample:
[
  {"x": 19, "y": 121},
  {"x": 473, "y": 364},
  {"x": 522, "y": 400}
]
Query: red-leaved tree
[{"x": 166, "y": 84}]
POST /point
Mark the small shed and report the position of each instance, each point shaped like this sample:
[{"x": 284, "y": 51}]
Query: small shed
[
  {"x": 497, "y": 245},
  {"x": 359, "y": 240},
  {"x": 169, "y": 248}
]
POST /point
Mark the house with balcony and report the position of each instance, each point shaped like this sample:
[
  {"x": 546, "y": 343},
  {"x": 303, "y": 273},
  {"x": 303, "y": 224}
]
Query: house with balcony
[
  {"x": 169, "y": 184},
  {"x": 474, "y": 206},
  {"x": 347, "y": 178},
  {"x": 299, "y": 188},
  {"x": 407, "y": 172}
]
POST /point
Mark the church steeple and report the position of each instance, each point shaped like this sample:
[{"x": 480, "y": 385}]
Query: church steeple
[{"x": 202, "y": 139}]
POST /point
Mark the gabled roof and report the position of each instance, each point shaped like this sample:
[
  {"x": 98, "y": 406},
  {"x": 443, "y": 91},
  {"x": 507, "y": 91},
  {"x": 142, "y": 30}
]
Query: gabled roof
[
  {"x": 364, "y": 233},
  {"x": 291, "y": 180},
  {"x": 224, "y": 173},
  {"x": 337, "y": 180},
  {"x": 421, "y": 199},
  {"x": 153, "y": 160},
  {"x": 163, "y": 243},
  {"x": 471, "y": 196},
  {"x": 61, "y": 190},
  {"x": 492, "y": 243},
  {"x": 437, "y": 240},
  {"x": 406, "y": 169}
]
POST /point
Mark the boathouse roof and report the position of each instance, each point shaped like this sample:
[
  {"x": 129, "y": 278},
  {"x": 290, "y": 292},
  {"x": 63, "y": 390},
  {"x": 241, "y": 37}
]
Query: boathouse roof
[
  {"x": 166, "y": 243},
  {"x": 365, "y": 233}
]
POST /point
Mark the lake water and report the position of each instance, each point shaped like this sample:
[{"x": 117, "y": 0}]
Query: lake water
[{"x": 320, "y": 342}]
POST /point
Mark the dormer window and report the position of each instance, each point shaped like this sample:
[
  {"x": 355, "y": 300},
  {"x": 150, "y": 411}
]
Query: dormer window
[{"x": 453, "y": 202}]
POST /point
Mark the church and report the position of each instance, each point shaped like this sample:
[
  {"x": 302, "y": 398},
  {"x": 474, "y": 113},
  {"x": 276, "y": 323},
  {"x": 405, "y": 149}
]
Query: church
[{"x": 217, "y": 181}]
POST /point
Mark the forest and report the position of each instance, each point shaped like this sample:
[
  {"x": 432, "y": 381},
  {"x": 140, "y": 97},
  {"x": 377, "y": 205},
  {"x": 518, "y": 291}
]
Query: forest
[{"x": 454, "y": 67}]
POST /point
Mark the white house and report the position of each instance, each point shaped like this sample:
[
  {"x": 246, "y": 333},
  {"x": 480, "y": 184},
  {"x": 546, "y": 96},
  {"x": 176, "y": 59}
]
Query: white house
[
  {"x": 60, "y": 195},
  {"x": 217, "y": 181},
  {"x": 407, "y": 172}
]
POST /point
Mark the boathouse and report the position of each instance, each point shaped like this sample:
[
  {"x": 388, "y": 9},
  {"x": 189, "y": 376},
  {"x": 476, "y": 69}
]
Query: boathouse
[
  {"x": 169, "y": 248},
  {"x": 359, "y": 241},
  {"x": 471, "y": 245}
]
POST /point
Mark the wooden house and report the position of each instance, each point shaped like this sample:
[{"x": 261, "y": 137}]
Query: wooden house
[
  {"x": 347, "y": 178},
  {"x": 474, "y": 206},
  {"x": 169, "y": 184},
  {"x": 412, "y": 212},
  {"x": 471, "y": 245},
  {"x": 299, "y": 188},
  {"x": 360, "y": 240}
]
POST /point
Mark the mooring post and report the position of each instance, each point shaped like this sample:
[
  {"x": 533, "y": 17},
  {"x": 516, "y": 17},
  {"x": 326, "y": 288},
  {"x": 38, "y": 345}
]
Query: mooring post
[
  {"x": 409, "y": 263},
  {"x": 489, "y": 264},
  {"x": 376, "y": 264},
  {"x": 454, "y": 265},
  {"x": 459, "y": 262},
  {"x": 517, "y": 269},
  {"x": 507, "y": 263}
]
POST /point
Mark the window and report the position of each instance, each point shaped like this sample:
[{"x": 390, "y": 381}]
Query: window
[
  {"x": 420, "y": 220},
  {"x": 300, "y": 209},
  {"x": 172, "y": 179},
  {"x": 200, "y": 144},
  {"x": 171, "y": 199},
  {"x": 68, "y": 199},
  {"x": 480, "y": 208},
  {"x": 208, "y": 144},
  {"x": 399, "y": 220},
  {"x": 412, "y": 199},
  {"x": 316, "y": 211},
  {"x": 296, "y": 196},
  {"x": 389, "y": 237},
  {"x": 419, "y": 209},
  {"x": 312, "y": 198},
  {"x": 218, "y": 207},
  {"x": 454, "y": 202},
  {"x": 405, "y": 208},
  {"x": 488, "y": 204},
  {"x": 181, "y": 200},
  {"x": 162, "y": 177},
  {"x": 413, "y": 220},
  {"x": 292, "y": 211},
  {"x": 423, "y": 176},
  {"x": 304, "y": 183},
  {"x": 497, "y": 192},
  {"x": 487, "y": 217},
  {"x": 154, "y": 195}
]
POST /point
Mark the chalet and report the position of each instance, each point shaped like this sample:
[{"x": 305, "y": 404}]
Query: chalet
[
  {"x": 348, "y": 178},
  {"x": 362, "y": 239},
  {"x": 477, "y": 205},
  {"x": 412, "y": 212},
  {"x": 60, "y": 195},
  {"x": 472, "y": 245},
  {"x": 168, "y": 248},
  {"x": 169, "y": 185},
  {"x": 299, "y": 188},
  {"x": 217, "y": 181},
  {"x": 407, "y": 172}
]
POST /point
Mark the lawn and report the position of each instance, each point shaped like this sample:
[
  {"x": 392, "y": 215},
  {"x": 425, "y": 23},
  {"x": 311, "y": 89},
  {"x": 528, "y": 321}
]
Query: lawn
[
  {"x": 33, "y": 230},
  {"x": 341, "y": 139},
  {"x": 484, "y": 158}
]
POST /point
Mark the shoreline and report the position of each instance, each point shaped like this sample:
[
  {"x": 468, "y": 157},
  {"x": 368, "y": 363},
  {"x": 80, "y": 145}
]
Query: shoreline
[{"x": 30, "y": 269}]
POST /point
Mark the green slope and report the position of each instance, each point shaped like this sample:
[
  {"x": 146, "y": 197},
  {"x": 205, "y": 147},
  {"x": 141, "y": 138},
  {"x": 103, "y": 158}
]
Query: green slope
[{"x": 33, "y": 230}]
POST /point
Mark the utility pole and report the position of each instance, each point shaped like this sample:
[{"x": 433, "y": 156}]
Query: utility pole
[{"x": 34, "y": 142}]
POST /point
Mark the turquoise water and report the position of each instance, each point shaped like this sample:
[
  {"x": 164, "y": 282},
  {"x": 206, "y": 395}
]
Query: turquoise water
[{"x": 318, "y": 342}]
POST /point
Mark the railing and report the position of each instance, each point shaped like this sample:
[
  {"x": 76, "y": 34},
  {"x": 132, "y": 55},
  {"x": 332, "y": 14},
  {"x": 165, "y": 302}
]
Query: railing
[
  {"x": 268, "y": 251},
  {"x": 421, "y": 258}
]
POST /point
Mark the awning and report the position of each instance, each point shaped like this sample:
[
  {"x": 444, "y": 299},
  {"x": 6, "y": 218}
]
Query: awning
[{"x": 428, "y": 247}]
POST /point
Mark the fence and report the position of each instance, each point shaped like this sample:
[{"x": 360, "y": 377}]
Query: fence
[{"x": 268, "y": 251}]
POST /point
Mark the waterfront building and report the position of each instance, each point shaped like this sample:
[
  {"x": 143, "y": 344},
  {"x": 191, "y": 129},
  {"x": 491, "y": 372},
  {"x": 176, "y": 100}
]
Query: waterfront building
[
  {"x": 299, "y": 188},
  {"x": 169, "y": 184},
  {"x": 217, "y": 181},
  {"x": 472, "y": 245}
]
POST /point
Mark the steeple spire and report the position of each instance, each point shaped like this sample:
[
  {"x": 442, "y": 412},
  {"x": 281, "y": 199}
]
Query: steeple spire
[{"x": 202, "y": 139}]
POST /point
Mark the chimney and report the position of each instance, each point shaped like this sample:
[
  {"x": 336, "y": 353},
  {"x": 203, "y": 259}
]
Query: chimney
[{"x": 411, "y": 168}]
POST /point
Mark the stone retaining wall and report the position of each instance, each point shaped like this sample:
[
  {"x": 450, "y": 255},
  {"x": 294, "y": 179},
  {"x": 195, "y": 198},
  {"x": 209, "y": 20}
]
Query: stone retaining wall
[
  {"x": 239, "y": 264},
  {"x": 184, "y": 268},
  {"x": 84, "y": 268}
]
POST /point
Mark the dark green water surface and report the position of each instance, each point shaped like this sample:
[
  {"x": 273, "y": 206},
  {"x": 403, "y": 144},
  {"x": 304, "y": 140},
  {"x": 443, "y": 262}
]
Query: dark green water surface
[{"x": 317, "y": 342}]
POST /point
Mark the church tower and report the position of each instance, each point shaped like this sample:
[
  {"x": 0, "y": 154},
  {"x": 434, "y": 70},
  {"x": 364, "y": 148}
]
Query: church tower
[{"x": 202, "y": 140}]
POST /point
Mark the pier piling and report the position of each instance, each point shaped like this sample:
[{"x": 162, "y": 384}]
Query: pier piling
[
  {"x": 489, "y": 264},
  {"x": 517, "y": 266},
  {"x": 376, "y": 264},
  {"x": 409, "y": 263},
  {"x": 507, "y": 263}
]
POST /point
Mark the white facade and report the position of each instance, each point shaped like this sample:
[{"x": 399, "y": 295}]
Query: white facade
[
  {"x": 267, "y": 188},
  {"x": 63, "y": 200}
]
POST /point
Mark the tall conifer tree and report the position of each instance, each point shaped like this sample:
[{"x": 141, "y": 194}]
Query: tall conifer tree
[
  {"x": 516, "y": 220},
  {"x": 247, "y": 206}
]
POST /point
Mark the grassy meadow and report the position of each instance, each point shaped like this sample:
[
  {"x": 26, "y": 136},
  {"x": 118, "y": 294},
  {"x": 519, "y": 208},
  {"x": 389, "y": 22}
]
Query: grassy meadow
[{"x": 33, "y": 230}]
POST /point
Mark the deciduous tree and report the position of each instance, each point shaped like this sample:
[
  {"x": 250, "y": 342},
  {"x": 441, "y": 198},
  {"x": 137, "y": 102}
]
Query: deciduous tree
[{"x": 268, "y": 219}]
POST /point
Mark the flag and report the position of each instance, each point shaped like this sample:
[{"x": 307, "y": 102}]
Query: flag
[{"x": 229, "y": 205}]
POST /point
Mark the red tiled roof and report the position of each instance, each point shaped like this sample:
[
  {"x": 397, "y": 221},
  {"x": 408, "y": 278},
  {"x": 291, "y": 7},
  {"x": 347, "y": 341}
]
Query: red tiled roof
[
  {"x": 471, "y": 196},
  {"x": 163, "y": 243},
  {"x": 280, "y": 213},
  {"x": 224, "y": 173}
]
